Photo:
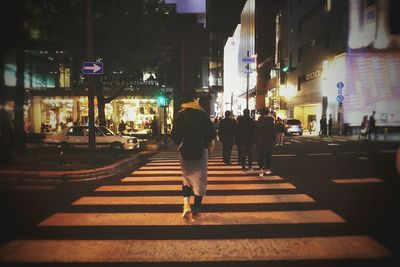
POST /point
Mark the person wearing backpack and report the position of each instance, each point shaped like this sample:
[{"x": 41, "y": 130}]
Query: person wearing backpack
[{"x": 194, "y": 133}]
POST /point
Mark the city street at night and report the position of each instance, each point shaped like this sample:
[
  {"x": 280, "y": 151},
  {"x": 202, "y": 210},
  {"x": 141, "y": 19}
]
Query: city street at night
[
  {"x": 200, "y": 133},
  {"x": 327, "y": 203}
]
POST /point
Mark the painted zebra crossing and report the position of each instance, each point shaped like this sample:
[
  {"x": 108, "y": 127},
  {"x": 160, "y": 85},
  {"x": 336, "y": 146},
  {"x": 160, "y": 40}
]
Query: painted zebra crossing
[{"x": 146, "y": 207}]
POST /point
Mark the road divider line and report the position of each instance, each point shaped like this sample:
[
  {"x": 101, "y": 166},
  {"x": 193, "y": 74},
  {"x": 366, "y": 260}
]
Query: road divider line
[{"x": 357, "y": 180}]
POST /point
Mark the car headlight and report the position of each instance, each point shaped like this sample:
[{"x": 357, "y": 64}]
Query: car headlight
[{"x": 134, "y": 141}]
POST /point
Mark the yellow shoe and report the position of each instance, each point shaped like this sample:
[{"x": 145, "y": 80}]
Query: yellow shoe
[{"x": 186, "y": 211}]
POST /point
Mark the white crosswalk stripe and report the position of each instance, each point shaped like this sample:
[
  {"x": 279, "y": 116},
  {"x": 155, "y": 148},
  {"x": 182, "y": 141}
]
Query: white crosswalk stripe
[{"x": 234, "y": 200}]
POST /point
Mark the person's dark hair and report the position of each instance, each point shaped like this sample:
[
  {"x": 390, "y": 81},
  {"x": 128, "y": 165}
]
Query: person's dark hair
[
  {"x": 264, "y": 112},
  {"x": 246, "y": 112},
  {"x": 188, "y": 96},
  {"x": 227, "y": 114}
]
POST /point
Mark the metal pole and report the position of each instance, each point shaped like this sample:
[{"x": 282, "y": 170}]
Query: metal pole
[
  {"x": 248, "y": 83},
  {"x": 165, "y": 127},
  {"x": 90, "y": 78}
]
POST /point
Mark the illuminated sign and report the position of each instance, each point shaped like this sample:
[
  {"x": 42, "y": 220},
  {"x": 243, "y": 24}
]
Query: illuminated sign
[{"x": 310, "y": 76}]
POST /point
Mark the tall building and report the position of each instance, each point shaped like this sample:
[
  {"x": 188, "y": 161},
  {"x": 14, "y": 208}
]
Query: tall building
[{"x": 339, "y": 58}]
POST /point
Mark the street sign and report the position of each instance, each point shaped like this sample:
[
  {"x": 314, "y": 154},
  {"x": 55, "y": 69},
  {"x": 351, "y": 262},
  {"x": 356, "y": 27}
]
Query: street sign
[
  {"x": 249, "y": 60},
  {"x": 92, "y": 68},
  {"x": 340, "y": 85},
  {"x": 340, "y": 98}
]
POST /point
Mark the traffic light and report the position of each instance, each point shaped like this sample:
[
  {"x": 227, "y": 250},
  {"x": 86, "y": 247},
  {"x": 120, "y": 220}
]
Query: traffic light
[
  {"x": 285, "y": 68},
  {"x": 163, "y": 99}
]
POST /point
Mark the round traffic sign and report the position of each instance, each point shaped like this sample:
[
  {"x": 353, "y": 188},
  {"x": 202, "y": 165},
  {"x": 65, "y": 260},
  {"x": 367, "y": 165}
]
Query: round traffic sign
[
  {"x": 340, "y": 98},
  {"x": 340, "y": 85}
]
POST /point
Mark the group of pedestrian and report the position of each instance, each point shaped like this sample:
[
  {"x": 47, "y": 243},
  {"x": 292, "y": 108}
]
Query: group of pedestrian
[
  {"x": 326, "y": 126},
  {"x": 368, "y": 127},
  {"x": 250, "y": 135}
]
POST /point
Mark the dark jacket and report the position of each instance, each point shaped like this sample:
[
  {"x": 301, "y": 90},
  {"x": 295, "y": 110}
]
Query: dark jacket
[
  {"x": 194, "y": 128},
  {"x": 245, "y": 130},
  {"x": 264, "y": 134},
  {"x": 227, "y": 128},
  {"x": 279, "y": 127}
]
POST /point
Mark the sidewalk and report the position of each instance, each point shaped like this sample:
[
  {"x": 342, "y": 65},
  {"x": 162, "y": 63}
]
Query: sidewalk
[
  {"x": 101, "y": 172},
  {"x": 390, "y": 137}
]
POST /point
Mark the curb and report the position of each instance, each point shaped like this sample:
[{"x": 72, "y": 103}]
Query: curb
[{"x": 107, "y": 171}]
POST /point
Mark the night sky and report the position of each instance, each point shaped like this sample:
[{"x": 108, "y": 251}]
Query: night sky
[{"x": 223, "y": 16}]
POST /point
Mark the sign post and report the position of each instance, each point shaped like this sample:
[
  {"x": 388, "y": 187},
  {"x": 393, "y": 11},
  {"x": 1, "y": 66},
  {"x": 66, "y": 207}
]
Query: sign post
[
  {"x": 248, "y": 60},
  {"x": 339, "y": 99}
]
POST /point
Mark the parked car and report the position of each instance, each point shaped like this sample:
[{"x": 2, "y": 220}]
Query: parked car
[
  {"x": 79, "y": 136},
  {"x": 293, "y": 126}
]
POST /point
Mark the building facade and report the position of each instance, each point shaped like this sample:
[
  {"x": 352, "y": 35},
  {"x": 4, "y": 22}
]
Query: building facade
[{"x": 341, "y": 62}]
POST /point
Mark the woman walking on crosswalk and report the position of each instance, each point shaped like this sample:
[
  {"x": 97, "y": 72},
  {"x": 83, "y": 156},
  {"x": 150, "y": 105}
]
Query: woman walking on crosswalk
[{"x": 193, "y": 131}]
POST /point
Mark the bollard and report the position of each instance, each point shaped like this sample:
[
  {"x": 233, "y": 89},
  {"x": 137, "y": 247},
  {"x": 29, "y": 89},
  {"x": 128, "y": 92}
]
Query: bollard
[
  {"x": 60, "y": 154},
  {"x": 385, "y": 135}
]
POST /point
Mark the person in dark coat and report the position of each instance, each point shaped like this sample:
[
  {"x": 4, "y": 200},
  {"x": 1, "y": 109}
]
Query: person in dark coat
[
  {"x": 323, "y": 125},
  {"x": 227, "y": 132},
  {"x": 245, "y": 139},
  {"x": 264, "y": 140},
  {"x": 194, "y": 132},
  {"x": 154, "y": 129},
  {"x": 121, "y": 127},
  {"x": 330, "y": 126},
  {"x": 372, "y": 126}
]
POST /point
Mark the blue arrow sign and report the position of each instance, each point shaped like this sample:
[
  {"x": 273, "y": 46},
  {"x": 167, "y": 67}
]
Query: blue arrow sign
[
  {"x": 340, "y": 85},
  {"x": 249, "y": 59},
  {"x": 340, "y": 98},
  {"x": 92, "y": 68}
]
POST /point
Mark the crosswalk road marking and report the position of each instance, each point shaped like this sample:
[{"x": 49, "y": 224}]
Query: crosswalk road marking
[
  {"x": 178, "y": 167},
  {"x": 210, "y": 178},
  {"x": 208, "y": 218},
  {"x": 177, "y": 200},
  {"x": 220, "y": 187},
  {"x": 235, "y": 200},
  {"x": 179, "y": 172}
]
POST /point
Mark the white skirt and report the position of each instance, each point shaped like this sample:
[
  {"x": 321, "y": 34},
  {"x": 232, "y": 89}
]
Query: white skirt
[{"x": 194, "y": 173}]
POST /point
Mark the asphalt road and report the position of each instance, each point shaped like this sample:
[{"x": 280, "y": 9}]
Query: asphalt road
[{"x": 327, "y": 203}]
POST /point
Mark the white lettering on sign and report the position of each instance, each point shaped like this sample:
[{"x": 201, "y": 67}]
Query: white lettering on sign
[{"x": 313, "y": 75}]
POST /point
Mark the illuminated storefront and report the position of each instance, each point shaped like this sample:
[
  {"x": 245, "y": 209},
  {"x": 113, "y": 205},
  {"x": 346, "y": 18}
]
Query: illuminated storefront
[{"x": 52, "y": 114}]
